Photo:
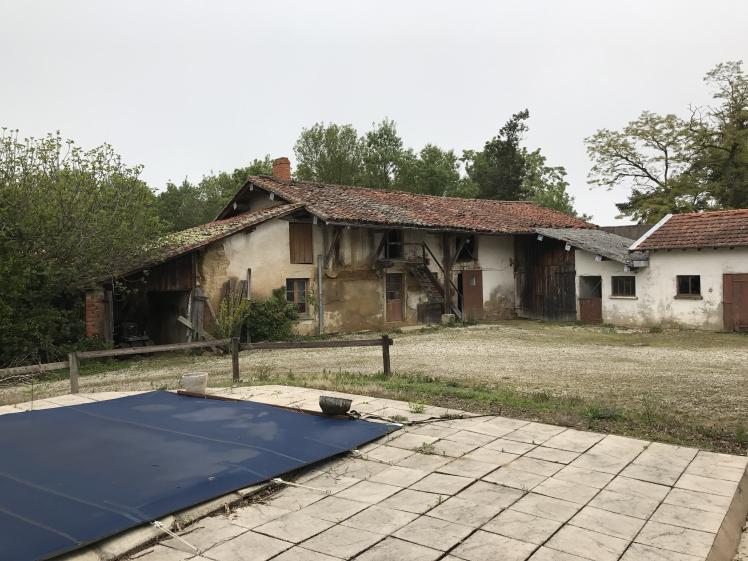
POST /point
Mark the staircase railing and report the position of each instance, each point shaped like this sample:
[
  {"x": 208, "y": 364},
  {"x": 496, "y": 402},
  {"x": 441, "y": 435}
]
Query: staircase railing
[{"x": 426, "y": 249}]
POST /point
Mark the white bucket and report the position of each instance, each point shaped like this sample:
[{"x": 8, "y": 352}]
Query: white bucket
[{"x": 196, "y": 382}]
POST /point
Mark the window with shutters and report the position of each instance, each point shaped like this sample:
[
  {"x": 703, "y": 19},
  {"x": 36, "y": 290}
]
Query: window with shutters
[{"x": 300, "y": 242}]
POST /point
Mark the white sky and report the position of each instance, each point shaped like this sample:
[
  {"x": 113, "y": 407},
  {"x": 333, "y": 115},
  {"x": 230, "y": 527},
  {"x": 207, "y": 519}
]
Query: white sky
[{"x": 186, "y": 87}]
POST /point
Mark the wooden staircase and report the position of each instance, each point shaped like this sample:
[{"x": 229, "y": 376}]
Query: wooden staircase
[{"x": 428, "y": 282}]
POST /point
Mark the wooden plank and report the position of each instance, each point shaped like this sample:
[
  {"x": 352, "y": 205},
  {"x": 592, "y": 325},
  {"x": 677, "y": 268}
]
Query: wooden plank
[
  {"x": 74, "y": 362},
  {"x": 155, "y": 349},
  {"x": 300, "y": 242},
  {"x": 235, "y": 359},
  {"x": 33, "y": 368},
  {"x": 311, "y": 344},
  {"x": 188, "y": 324},
  {"x": 386, "y": 342}
]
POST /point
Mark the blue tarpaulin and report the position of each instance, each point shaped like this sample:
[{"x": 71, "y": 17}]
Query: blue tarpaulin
[{"x": 71, "y": 476}]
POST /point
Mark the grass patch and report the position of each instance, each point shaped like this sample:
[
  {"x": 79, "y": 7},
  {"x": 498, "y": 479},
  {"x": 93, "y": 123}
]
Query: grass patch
[{"x": 649, "y": 420}]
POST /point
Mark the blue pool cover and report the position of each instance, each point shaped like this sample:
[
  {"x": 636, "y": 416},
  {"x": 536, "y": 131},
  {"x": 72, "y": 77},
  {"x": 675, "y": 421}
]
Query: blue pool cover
[{"x": 74, "y": 475}]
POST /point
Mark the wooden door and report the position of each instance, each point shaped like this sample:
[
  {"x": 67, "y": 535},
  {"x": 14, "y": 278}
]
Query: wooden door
[
  {"x": 472, "y": 294},
  {"x": 394, "y": 297},
  {"x": 590, "y": 299},
  {"x": 735, "y": 302}
]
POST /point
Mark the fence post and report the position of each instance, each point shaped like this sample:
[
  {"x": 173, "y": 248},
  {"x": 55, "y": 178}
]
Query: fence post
[
  {"x": 74, "y": 363},
  {"x": 235, "y": 359},
  {"x": 386, "y": 342}
]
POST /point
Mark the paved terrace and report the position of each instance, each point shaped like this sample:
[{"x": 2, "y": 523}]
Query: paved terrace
[{"x": 474, "y": 489}]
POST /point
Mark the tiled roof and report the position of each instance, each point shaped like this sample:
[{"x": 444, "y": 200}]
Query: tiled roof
[
  {"x": 360, "y": 205},
  {"x": 599, "y": 242},
  {"x": 717, "y": 228},
  {"x": 182, "y": 242}
]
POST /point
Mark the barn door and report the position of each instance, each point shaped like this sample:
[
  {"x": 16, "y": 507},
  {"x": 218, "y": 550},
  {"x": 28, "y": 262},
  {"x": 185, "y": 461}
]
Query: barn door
[
  {"x": 735, "y": 302},
  {"x": 394, "y": 297},
  {"x": 472, "y": 294},
  {"x": 590, "y": 299}
]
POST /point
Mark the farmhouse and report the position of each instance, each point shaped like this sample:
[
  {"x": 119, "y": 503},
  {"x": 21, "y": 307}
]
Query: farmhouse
[
  {"x": 349, "y": 258},
  {"x": 689, "y": 270},
  {"x": 353, "y": 258}
]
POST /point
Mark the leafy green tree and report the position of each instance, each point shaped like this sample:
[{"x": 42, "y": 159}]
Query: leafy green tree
[
  {"x": 68, "y": 218},
  {"x": 382, "y": 154},
  {"x": 671, "y": 164},
  {"x": 499, "y": 169},
  {"x": 330, "y": 154},
  {"x": 432, "y": 171},
  {"x": 186, "y": 205}
]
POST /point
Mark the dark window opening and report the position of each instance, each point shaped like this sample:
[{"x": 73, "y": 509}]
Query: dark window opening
[
  {"x": 466, "y": 251},
  {"x": 393, "y": 245},
  {"x": 296, "y": 293},
  {"x": 623, "y": 286},
  {"x": 688, "y": 285},
  {"x": 590, "y": 287}
]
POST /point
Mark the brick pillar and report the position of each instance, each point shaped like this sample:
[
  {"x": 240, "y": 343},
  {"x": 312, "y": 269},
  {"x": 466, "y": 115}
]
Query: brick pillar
[{"x": 96, "y": 314}]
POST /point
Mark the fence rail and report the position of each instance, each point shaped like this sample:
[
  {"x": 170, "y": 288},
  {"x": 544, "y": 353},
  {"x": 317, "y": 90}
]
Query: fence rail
[{"x": 233, "y": 344}]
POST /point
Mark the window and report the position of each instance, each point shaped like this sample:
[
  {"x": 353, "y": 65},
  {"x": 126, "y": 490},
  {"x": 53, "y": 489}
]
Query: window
[
  {"x": 688, "y": 286},
  {"x": 623, "y": 286},
  {"x": 466, "y": 251},
  {"x": 300, "y": 242},
  {"x": 393, "y": 245},
  {"x": 296, "y": 293}
]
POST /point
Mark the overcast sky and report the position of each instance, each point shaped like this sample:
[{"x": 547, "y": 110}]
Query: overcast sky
[{"x": 189, "y": 87}]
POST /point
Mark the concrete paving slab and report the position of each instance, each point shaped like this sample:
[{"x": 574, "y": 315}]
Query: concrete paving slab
[
  {"x": 465, "y": 512},
  {"x": 485, "y": 545},
  {"x": 333, "y": 509},
  {"x": 249, "y": 546},
  {"x": 294, "y": 527},
  {"x": 585, "y": 543},
  {"x": 205, "y": 534},
  {"x": 546, "y": 507},
  {"x": 442, "y": 483},
  {"x": 560, "y": 489},
  {"x": 630, "y": 505},
  {"x": 413, "y": 501},
  {"x": 368, "y": 492},
  {"x": 639, "y": 552},
  {"x": 552, "y": 454},
  {"x": 380, "y": 520},
  {"x": 297, "y": 553},
  {"x": 482, "y": 491},
  {"x": 393, "y": 549},
  {"x": 610, "y": 523},
  {"x": 524, "y": 527},
  {"x": 433, "y": 532},
  {"x": 548, "y": 554},
  {"x": 399, "y": 476},
  {"x": 254, "y": 515},
  {"x": 343, "y": 541},
  {"x": 467, "y": 467},
  {"x": 675, "y": 538}
]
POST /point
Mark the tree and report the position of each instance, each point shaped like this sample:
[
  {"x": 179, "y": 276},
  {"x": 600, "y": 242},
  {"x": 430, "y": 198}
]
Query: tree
[
  {"x": 670, "y": 164},
  {"x": 331, "y": 154},
  {"x": 432, "y": 171},
  {"x": 68, "y": 218},
  {"x": 499, "y": 170},
  {"x": 547, "y": 185},
  {"x": 382, "y": 154},
  {"x": 187, "y": 205}
]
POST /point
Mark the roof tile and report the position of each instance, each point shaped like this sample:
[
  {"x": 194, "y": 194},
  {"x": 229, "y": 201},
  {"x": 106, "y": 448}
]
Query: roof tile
[{"x": 717, "y": 228}]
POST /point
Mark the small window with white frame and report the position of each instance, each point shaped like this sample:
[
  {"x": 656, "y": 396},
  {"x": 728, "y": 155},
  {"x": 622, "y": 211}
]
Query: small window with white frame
[{"x": 623, "y": 286}]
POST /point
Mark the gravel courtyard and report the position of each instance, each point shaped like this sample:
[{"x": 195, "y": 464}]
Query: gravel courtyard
[{"x": 694, "y": 377}]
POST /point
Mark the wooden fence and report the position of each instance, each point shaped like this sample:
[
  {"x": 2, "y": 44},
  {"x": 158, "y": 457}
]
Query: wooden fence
[{"x": 233, "y": 344}]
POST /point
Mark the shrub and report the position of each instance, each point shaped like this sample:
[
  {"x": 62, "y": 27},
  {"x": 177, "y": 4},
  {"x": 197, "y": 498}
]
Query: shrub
[{"x": 271, "y": 319}]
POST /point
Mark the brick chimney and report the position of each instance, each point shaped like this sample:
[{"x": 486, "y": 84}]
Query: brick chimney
[{"x": 282, "y": 169}]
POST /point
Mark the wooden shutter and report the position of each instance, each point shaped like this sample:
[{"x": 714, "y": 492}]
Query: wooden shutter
[{"x": 300, "y": 242}]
